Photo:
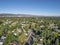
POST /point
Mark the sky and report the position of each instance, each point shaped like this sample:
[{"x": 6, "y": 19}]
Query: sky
[{"x": 34, "y": 7}]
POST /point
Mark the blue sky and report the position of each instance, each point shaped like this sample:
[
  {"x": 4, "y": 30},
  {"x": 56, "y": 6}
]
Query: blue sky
[{"x": 35, "y": 7}]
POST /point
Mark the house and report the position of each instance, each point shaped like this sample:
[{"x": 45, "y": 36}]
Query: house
[
  {"x": 26, "y": 34},
  {"x": 19, "y": 30},
  {"x": 14, "y": 43},
  {"x": 13, "y": 31},
  {"x": 53, "y": 26},
  {"x": 15, "y": 34},
  {"x": 42, "y": 26},
  {"x": 39, "y": 44},
  {"x": 30, "y": 38},
  {"x": 41, "y": 40},
  {"x": 2, "y": 39},
  {"x": 1, "y": 43},
  {"x": 14, "y": 23},
  {"x": 42, "y": 21}
]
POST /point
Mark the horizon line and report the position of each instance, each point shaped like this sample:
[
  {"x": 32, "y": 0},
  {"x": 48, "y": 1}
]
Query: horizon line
[{"x": 33, "y": 14}]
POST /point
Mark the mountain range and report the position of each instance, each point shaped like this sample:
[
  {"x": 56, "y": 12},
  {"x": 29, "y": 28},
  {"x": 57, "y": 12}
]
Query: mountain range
[{"x": 22, "y": 15}]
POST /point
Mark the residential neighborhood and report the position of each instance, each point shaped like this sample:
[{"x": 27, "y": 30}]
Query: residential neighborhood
[{"x": 29, "y": 31}]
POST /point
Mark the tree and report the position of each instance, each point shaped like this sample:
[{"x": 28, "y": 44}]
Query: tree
[
  {"x": 10, "y": 37},
  {"x": 34, "y": 43}
]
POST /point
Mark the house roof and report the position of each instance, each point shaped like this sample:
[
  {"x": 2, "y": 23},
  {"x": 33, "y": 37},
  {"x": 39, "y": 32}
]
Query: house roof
[
  {"x": 1, "y": 43},
  {"x": 15, "y": 42}
]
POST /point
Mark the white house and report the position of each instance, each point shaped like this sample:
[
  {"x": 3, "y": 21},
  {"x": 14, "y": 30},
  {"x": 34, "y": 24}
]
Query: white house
[
  {"x": 2, "y": 39},
  {"x": 1, "y": 43},
  {"x": 39, "y": 44}
]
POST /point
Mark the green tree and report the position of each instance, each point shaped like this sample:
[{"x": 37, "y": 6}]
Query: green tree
[{"x": 10, "y": 37}]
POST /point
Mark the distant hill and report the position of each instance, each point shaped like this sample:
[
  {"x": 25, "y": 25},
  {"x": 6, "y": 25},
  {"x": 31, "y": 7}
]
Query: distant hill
[
  {"x": 22, "y": 15},
  {"x": 16, "y": 15}
]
